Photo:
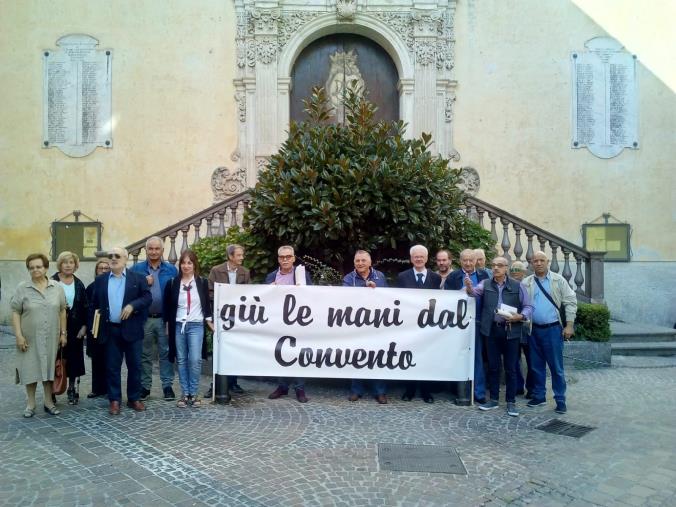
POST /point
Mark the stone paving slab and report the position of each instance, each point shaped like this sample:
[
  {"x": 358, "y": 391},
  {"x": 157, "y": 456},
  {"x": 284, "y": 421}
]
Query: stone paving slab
[{"x": 260, "y": 452}]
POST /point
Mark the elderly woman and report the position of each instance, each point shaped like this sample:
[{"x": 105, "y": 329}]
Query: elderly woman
[
  {"x": 39, "y": 319},
  {"x": 76, "y": 299},
  {"x": 95, "y": 350}
]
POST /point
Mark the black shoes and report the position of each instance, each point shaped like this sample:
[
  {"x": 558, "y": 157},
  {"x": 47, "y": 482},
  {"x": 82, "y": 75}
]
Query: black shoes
[
  {"x": 143, "y": 395},
  {"x": 169, "y": 394},
  {"x": 235, "y": 389}
]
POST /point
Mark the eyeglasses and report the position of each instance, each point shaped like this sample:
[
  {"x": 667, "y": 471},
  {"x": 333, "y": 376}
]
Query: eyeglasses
[
  {"x": 114, "y": 256},
  {"x": 285, "y": 257}
]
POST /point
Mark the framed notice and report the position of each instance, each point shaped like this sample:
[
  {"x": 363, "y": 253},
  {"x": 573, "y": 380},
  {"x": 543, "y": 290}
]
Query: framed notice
[
  {"x": 81, "y": 238},
  {"x": 610, "y": 238}
]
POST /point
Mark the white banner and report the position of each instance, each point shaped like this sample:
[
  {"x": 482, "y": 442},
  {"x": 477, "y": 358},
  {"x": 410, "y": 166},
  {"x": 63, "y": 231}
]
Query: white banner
[{"x": 343, "y": 332}]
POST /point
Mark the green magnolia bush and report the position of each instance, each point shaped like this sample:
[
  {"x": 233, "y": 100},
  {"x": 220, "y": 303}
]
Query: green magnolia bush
[
  {"x": 335, "y": 188},
  {"x": 592, "y": 323}
]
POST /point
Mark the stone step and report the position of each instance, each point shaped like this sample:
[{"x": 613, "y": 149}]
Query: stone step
[
  {"x": 623, "y": 332},
  {"x": 644, "y": 348}
]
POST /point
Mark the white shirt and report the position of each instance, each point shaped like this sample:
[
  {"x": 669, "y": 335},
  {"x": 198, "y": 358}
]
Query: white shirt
[{"x": 195, "y": 314}]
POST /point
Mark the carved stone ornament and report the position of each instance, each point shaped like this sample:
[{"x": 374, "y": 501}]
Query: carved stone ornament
[
  {"x": 291, "y": 23},
  {"x": 346, "y": 9},
  {"x": 261, "y": 163},
  {"x": 401, "y": 23},
  {"x": 425, "y": 52},
  {"x": 427, "y": 24},
  {"x": 240, "y": 98},
  {"x": 225, "y": 184},
  {"x": 343, "y": 72},
  {"x": 453, "y": 155},
  {"x": 448, "y": 110},
  {"x": 266, "y": 49},
  {"x": 264, "y": 21},
  {"x": 469, "y": 181}
]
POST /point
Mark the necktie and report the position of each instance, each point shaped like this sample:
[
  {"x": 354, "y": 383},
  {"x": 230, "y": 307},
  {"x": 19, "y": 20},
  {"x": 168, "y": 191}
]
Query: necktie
[
  {"x": 187, "y": 289},
  {"x": 420, "y": 282}
]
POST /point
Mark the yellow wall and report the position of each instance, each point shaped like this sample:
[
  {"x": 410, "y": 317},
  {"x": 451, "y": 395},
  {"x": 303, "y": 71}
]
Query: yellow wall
[
  {"x": 513, "y": 124},
  {"x": 173, "y": 114}
]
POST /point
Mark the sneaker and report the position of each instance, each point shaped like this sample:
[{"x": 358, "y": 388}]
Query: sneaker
[
  {"x": 512, "y": 410},
  {"x": 169, "y": 394},
  {"x": 279, "y": 392},
  {"x": 144, "y": 394},
  {"x": 300, "y": 395},
  {"x": 536, "y": 402},
  {"x": 560, "y": 407},
  {"x": 489, "y": 405}
]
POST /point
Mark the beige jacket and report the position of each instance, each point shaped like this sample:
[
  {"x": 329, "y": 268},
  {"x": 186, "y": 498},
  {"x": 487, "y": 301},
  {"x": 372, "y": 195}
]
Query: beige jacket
[{"x": 561, "y": 292}]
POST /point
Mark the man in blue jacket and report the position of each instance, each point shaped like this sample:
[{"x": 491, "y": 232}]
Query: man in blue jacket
[
  {"x": 364, "y": 275},
  {"x": 122, "y": 299},
  {"x": 157, "y": 273}
]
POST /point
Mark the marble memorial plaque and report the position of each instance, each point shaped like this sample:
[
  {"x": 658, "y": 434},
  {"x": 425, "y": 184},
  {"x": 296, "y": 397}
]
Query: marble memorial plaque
[
  {"x": 77, "y": 96},
  {"x": 604, "y": 104}
]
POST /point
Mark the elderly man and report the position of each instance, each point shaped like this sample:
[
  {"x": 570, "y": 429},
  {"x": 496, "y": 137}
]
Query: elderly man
[
  {"x": 456, "y": 281},
  {"x": 549, "y": 292},
  {"x": 365, "y": 276},
  {"x": 480, "y": 256},
  {"x": 286, "y": 275},
  {"x": 418, "y": 277},
  {"x": 122, "y": 298},
  {"x": 231, "y": 272},
  {"x": 443, "y": 260},
  {"x": 157, "y": 273},
  {"x": 504, "y": 307},
  {"x": 518, "y": 271}
]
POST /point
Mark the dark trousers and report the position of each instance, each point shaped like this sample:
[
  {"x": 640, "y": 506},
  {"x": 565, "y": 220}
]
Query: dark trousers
[
  {"x": 499, "y": 347},
  {"x": 99, "y": 380},
  {"x": 117, "y": 348},
  {"x": 232, "y": 381},
  {"x": 425, "y": 388},
  {"x": 522, "y": 383}
]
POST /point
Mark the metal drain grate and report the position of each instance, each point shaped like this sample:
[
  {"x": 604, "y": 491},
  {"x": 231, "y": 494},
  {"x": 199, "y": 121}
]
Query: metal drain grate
[
  {"x": 559, "y": 427},
  {"x": 420, "y": 458}
]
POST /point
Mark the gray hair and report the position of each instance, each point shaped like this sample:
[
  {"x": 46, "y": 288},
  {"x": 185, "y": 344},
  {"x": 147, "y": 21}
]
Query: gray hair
[
  {"x": 155, "y": 238},
  {"x": 418, "y": 247},
  {"x": 231, "y": 249},
  {"x": 467, "y": 251},
  {"x": 362, "y": 252},
  {"x": 286, "y": 247}
]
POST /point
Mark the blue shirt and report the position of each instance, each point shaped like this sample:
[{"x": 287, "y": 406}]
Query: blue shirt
[
  {"x": 116, "y": 295},
  {"x": 545, "y": 312}
]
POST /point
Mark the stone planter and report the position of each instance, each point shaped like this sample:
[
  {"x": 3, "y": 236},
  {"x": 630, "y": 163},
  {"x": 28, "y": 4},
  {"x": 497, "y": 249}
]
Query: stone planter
[{"x": 583, "y": 354}]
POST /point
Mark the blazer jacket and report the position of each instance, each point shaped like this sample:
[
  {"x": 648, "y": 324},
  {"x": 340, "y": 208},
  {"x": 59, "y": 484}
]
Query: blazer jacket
[
  {"x": 219, "y": 274},
  {"x": 136, "y": 293},
  {"x": 170, "y": 309},
  {"x": 270, "y": 278},
  {"x": 407, "y": 280},
  {"x": 456, "y": 280}
]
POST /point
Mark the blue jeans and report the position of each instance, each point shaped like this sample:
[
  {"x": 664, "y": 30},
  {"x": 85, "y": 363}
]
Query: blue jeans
[
  {"x": 117, "y": 348},
  {"x": 189, "y": 356},
  {"x": 498, "y": 347},
  {"x": 546, "y": 349},
  {"x": 379, "y": 386},
  {"x": 524, "y": 384},
  {"x": 153, "y": 330}
]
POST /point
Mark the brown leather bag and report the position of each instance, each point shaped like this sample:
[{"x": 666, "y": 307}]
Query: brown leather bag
[{"x": 60, "y": 379}]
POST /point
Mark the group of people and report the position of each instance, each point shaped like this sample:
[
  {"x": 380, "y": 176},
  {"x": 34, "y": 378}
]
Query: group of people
[{"x": 125, "y": 314}]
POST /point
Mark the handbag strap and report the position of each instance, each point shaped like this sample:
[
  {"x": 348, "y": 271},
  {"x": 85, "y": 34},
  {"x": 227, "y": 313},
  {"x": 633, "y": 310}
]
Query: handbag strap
[{"x": 549, "y": 298}]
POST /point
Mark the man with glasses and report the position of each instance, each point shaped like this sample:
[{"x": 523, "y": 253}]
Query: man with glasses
[
  {"x": 157, "y": 273},
  {"x": 505, "y": 306},
  {"x": 286, "y": 275},
  {"x": 550, "y": 291},
  {"x": 122, "y": 298}
]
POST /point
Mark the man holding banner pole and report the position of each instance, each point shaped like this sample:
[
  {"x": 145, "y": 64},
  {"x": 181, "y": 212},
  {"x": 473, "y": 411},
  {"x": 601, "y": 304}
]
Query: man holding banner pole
[
  {"x": 365, "y": 276},
  {"x": 286, "y": 275}
]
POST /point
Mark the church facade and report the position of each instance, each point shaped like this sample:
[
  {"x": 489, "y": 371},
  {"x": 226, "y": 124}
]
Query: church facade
[{"x": 203, "y": 92}]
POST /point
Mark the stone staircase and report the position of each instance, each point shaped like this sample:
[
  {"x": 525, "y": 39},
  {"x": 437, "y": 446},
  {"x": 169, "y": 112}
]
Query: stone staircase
[{"x": 642, "y": 340}]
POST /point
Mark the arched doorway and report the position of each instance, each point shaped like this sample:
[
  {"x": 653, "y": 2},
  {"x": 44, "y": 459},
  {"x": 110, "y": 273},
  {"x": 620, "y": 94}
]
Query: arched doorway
[{"x": 334, "y": 62}]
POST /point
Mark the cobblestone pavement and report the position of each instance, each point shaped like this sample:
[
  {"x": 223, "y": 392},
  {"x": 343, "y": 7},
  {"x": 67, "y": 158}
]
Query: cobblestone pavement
[{"x": 259, "y": 452}]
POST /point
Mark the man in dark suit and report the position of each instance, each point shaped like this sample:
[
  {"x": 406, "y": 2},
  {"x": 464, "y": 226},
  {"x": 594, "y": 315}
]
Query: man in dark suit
[
  {"x": 231, "y": 272},
  {"x": 456, "y": 281},
  {"x": 122, "y": 298},
  {"x": 418, "y": 277}
]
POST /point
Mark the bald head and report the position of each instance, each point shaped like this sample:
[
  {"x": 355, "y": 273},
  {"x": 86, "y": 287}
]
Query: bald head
[{"x": 540, "y": 263}]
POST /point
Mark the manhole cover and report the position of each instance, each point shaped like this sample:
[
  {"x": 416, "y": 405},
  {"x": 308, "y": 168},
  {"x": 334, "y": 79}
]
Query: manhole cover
[
  {"x": 420, "y": 458},
  {"x": 559, "y": 427}
]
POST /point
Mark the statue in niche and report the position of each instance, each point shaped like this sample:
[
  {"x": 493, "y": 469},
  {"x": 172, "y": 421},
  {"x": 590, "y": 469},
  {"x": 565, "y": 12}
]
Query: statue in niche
[
  {"x": 469, "y": 181},
  {"x": 343, "y": 73}
]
